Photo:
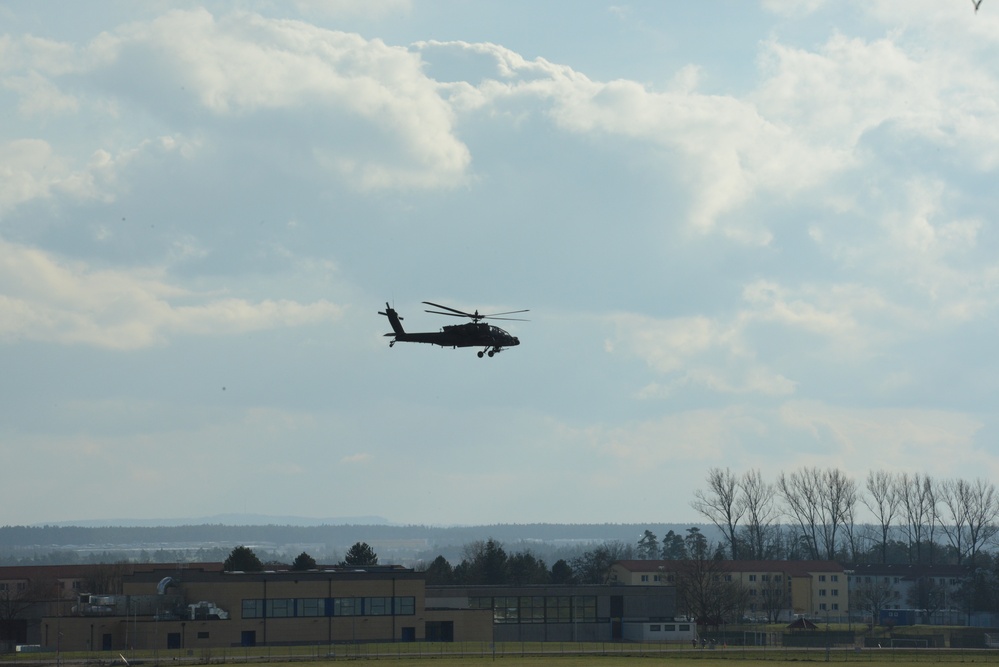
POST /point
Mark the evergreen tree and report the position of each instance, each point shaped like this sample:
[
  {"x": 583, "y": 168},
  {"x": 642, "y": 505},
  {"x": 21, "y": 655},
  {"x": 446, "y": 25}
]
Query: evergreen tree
[
  {"x": 303, "y": 562},
  {"x": 487, "y": 563},
  {"x": 648, "y": 546},
  {"x": 674, "y": 547},
  {"x": 242, "y": 559},
  {"x": 562, "y": 573},
  {"x": 360, "y": 555},
  {"x": 439, "y": 572},
  {"x": 524, "y": 569}
]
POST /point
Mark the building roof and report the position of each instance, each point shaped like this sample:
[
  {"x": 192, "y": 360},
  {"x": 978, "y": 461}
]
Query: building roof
[
  {"x": 42, "y": 572},
  {"x": 907, "y": 571},
  {"x": 794, "y": 568}
]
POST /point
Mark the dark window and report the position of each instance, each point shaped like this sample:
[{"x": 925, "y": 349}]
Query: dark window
[
  {"x": 280, "y": 608},
  {"x": 253, "y": 608}
]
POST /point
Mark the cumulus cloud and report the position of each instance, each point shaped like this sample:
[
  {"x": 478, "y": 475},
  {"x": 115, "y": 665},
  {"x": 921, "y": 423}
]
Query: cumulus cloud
[
  {"x": 390, "y": 127},
  {"x": 48, "y": 299},
  {"x": 32, "y": 169},
  {"x": 861, "y": 439},
  {"x": 695, "y": 352}
]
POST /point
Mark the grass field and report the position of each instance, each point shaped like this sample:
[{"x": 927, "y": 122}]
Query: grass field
[{"x": 515, "y": 654}]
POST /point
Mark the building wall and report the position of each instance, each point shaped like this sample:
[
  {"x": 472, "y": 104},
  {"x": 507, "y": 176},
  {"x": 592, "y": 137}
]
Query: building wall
[
  {"x": 560, "y": 613},
  {"x": 810, "y": 588},
  {"x": 273, "y": 608}
]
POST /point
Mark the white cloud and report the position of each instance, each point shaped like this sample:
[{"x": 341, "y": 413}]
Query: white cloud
[
  {"x": 241, "y": 64},
  {"x": 695, "y": 352},
  {"x": 47, "y": 299},
  {"x": 861, "y": 439},
  {"x": 39, "y": 96},
  {"x": 32, "y": 169}
]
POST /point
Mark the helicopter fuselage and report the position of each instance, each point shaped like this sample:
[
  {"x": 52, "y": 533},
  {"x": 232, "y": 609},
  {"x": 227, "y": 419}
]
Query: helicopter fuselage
[{"x": 472, "y": 334}]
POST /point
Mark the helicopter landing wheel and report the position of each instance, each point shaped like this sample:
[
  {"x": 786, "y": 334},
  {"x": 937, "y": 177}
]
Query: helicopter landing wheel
[
  {"x": 492, "y": 352},
  {"x": 480, "y": 353}
]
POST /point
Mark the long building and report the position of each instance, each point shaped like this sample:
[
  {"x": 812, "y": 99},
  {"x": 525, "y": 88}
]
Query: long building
[
  {"x": 201, "y": 606},
  {"x": 775, "y": 590}
]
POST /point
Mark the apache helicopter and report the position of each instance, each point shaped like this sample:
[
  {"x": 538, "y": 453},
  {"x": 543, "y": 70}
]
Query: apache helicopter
[{"x": 490, "y": 338}]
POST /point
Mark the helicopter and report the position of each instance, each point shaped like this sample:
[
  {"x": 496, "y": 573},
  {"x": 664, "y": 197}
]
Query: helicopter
[{"x": 490, "y": 338}]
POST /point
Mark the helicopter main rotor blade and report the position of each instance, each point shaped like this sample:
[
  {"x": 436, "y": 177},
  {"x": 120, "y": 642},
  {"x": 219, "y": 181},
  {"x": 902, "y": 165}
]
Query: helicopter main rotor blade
[
  {"x": 440, "y": 312},
  {"x": 453, "y": 310},
  {"x": 508, "y": 319},
  {"x": 509, "y": 312}
]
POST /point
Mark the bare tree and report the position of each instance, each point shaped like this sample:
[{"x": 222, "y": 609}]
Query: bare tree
[
  {"x": 106, "y": 578},
  {"x": 872, "y": 595},
  {"x": 762, "y": 513},
  {"x": 981, "y": 513},
  {"x": 954, "y": 504},
  {"x": 706, "y": 591},
  {"x": 821, "y": 501},
  {"x": 918, "y": 506},
  {"x": 838, "y": 499},
  {"x": 722, "y": 505},
  {"x": 969, "y": 511},
  {"x": 33, "y": 597},
  {"x": 882, "y": 498},
  {"x": 775, "y": 594},
  {"x": 800, "y": 491}
]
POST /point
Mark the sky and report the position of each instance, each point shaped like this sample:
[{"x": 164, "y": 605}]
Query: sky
[{"x": 750, "y": 235}]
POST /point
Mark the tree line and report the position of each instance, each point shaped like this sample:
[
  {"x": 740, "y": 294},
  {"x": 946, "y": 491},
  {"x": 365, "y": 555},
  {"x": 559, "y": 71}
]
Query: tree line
[{"x": 812, "y": 513}]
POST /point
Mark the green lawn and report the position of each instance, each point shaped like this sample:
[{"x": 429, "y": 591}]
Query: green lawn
[{"x": 515, "y": 654}]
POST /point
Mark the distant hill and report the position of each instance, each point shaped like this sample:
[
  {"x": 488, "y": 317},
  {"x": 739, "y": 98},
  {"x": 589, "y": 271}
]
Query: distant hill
[
  {"x": 222, "y": 519},
  {"x": 211, "y": 539}
]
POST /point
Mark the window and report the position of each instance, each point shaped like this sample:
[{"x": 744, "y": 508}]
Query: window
[
  {"x": 834, "y": 577},
  {"x": 3, "y": 587},
  {"x": 558, "y": 609},
  {"x": 253, "y": 609},
  {"x": 480, "y": 603},
  {"x": 834, "y": 592},
  {"x": 346, "y": 607},
  {"x": 405, "y": 606},
  {"x": 669, "y": 628},
  {"x": 752, "y": 591},
  {"x": 377, "y": 606},
  {"x": 752, "y": 577},
  {"x": 765, "y": 577},
  {"x": 655, "y": 628},
  {"x": 312, "y": 607},
  {"x": 728, "y": 577},
  {"x": 505, "y": 610},
  {"x": 685, "y": 628},
  {"x": 656, "y": 578},
  {"x": 645, "y": 577},
  {"x": 822, "y": 606},
  {"x": 822, "y": 592},
  {"x": 777, "y": 577},
  {"x": 585, "y": 608},
  {"x": 822, "y": 577},
  {"x": 835, "y": 606},
  {"x": 532, "y": 609},
  {"x": 202, "y": 635},
  {"x": 280, "y": 608}
]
